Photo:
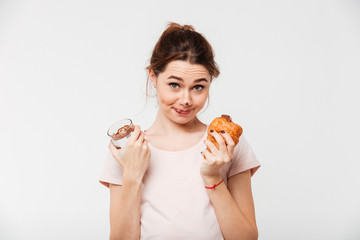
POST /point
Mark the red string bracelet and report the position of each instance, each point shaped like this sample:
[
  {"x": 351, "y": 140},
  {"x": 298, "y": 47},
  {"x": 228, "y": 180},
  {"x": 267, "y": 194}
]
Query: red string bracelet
[{"x": 215, "y": 185}]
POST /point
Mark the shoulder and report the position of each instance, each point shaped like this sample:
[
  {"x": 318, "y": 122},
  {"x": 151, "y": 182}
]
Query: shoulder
[
  {"x": 244, "y": 158},
  {"x": 243, "y": 147}
]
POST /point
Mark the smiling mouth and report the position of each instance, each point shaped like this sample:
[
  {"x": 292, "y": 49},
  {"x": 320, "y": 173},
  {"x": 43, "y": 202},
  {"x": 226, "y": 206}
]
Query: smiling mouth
[{"x": 182, "y": 112}]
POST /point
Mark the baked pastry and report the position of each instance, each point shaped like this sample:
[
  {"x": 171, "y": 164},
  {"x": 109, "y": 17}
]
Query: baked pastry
[{"x": 224, "y": 123}]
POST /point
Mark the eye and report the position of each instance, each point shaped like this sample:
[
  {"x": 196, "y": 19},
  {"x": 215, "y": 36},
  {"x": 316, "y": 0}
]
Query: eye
[
  {"x": 198, "y": 87},
  {"x": 174, "y": 85}
]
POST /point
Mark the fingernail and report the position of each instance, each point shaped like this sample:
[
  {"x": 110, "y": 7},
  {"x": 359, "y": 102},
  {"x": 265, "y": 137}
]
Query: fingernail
[
  {"x": 211, "y": 130},
  {"x": 222, "y": 132}
]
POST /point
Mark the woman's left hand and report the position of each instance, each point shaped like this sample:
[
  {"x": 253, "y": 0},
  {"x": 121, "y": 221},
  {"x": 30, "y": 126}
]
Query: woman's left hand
[{"x": 216, "y": 158}]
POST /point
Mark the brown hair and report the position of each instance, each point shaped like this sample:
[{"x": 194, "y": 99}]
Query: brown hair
[{"x": 182, "y": 43}]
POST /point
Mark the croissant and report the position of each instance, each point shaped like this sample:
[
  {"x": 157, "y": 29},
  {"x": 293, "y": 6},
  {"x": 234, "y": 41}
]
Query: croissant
[{"x": 224, "y": 123}]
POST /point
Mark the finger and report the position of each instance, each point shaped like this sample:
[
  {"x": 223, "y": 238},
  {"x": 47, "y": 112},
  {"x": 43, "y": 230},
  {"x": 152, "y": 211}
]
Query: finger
[
  {"x": 135, "y": 134},
  {"x": 219, "y": 140},
  {"x": 209, "y": 158},
  {"x": 229, "y": 141},
  {"x": 115, "y": 152},
  {"x": 213, "y": 149},
  {"x": 141, "y": 137},
  {"x": 112, "y": 148},
  {"x": 145, "y": 145},
  {"x": 145, "y": 148}
]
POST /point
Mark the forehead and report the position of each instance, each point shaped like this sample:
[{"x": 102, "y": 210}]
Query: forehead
[{"x": 186, "y": 70}]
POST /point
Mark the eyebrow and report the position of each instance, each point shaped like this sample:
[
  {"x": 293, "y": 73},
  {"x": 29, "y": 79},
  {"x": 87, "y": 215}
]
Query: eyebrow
[{"x": 180, "y": 79}]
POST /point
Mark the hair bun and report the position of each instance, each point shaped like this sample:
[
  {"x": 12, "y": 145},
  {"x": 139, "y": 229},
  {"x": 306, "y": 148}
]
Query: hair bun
[
  {"x": 175, "y": 26},
  {"x": 188, "y": 27}
]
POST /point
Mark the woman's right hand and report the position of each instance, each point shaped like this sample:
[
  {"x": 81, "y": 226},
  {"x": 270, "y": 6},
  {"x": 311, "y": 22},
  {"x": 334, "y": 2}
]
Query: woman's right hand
[{"x": 135, "y": 156}]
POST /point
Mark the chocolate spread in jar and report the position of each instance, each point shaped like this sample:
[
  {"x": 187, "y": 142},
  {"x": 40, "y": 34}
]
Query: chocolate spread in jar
[{"x": 122, "y": 132}]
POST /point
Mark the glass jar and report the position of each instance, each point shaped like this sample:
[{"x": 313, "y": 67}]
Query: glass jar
[{"x": 120, "y": 131}]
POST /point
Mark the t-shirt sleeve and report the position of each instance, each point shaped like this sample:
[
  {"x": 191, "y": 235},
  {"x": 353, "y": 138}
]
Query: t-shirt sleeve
[
  {"x": 112, "y": 171},
  {"x": 244, "y": 158}
]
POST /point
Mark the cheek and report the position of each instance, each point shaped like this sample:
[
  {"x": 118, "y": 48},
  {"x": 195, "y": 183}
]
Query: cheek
[
  {"x": 201, "y": 98},
  {"x": 165, "y": 97}
]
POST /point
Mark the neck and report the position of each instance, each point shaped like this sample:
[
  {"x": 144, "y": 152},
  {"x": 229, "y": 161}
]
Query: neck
[{"x": 164, "y": 126}]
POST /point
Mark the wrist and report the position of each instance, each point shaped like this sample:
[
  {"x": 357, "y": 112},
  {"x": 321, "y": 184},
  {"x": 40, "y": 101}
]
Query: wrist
[
  {"x": 132, "y": 178},
  {"x": 211, "y": 180}
]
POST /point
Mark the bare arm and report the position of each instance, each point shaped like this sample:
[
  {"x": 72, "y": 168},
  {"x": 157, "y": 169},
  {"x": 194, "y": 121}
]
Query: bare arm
[
  {"x": 125, "y": 200},
  {"x": 125, "y": 204},
  {"x": 234, "y": 207}
]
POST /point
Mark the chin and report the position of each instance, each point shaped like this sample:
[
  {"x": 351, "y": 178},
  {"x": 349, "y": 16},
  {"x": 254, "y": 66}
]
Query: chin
[{"x": 183, "y": 120}]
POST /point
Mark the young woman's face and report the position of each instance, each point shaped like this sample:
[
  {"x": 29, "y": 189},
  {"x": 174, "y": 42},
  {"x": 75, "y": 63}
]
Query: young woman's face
[{"x": 182, "y": 90}]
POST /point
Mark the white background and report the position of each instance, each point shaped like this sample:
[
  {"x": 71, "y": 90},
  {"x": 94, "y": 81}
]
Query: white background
[{"x": 289, "y": 75}]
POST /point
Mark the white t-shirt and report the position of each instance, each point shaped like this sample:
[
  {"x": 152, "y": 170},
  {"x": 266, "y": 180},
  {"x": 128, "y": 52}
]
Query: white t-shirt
[{"x": 175, "y": 204}]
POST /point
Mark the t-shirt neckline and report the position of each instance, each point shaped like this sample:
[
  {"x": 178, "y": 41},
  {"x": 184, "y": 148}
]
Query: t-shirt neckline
[{"x": 184, "y": 150}]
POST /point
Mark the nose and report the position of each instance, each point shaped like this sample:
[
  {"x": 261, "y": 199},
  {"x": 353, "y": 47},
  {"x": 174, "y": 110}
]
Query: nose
[{"x": 185, "y": 99}]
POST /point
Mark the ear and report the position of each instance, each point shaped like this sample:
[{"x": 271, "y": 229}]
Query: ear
[{"x": 153, "y": 77}]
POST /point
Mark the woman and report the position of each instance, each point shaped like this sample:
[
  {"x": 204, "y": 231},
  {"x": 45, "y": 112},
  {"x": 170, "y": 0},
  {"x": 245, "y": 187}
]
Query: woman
[{"x": 158, "y": 180}]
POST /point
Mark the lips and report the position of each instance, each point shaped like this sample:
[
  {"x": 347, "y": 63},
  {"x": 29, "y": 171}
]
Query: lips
[{"x": 182, "y": 112}]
